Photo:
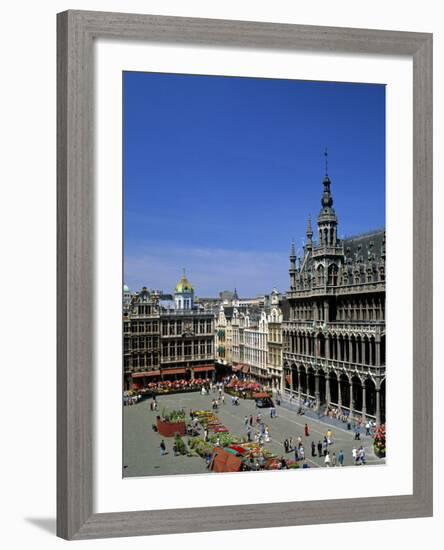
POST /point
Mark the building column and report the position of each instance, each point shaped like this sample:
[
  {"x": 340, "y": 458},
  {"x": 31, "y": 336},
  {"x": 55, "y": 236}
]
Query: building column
[
  {"x": 364, "y": 401},
  {"x": 363, "y": 350},
  {"x": 378, "y": 350},
  {"x": 352, "y": 400},
  {"x": 350, "y": 350},
  {"x": 299, "y": 384},
  {"x": 326, "y": 311},
  {"x": 378, "y": 406},
  {"x": 327, "y": 390},
  {"x": 370, "y": 352},
  {"x": 339, "y": 393},
  {"x": 317, "y": 393}
]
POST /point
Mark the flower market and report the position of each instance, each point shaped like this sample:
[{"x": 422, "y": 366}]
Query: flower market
[{"x": 196, "y": 427}]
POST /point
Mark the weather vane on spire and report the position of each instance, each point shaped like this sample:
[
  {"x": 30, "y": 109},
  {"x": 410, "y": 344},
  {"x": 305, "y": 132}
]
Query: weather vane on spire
[{"x": 326, "y": 161}]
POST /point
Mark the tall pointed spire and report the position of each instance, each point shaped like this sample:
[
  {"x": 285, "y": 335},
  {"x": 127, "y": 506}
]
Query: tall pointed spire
[
  {"x": 327, "y": 220},
  {"x": 326, "y": 199},
  {"x": 309, "y": 233},
  {"x": 292, "y": 258},
  {"x": 309, "y": 229}
]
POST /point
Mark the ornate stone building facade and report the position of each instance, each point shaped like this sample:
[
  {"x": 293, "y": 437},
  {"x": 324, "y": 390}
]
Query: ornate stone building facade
[
  {"x": 274, "y": 341},
  {"x": 256, "y": 349},
  {"x": 334, "y": 339},
  {"x": 161, "y": 343},
  {"x": 256, "y": 342},
  {"x": 224, "y": 338},
  {"x": 141, "y": 339}
]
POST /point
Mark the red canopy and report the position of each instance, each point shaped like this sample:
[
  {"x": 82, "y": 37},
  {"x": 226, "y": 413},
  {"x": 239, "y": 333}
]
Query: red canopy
[
  {"x": 148, "y": 373},
  {"x": 224, "y": 461},
  {"x": 173, "y": 371},
  {"x": 204, "y": 368}
]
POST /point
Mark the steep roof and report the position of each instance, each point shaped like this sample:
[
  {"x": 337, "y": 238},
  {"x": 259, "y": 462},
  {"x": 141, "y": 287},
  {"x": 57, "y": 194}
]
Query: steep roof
[{"x": 364, "y": 247}]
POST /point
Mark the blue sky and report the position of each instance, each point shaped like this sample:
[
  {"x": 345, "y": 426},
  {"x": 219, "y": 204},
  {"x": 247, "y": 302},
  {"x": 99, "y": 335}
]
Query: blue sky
[{"x": 221, "y": 173}]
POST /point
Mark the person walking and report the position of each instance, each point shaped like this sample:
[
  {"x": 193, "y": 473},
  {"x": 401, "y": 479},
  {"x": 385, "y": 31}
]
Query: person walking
[
  {"x": 306, "y": 431},
  {"x": 333, "y": 459},
  {"x": 341, "y": 458},
  {"x": 162, "y": 448},
  {"x": 319, "y": 448},
  {"x": 355, "y": 455},
  {"x": 301, "y": 453},
  {"x": 313, "y": 448},
  {"x": 286, "y": 445},
  {"x": 327, "y": 459},
  {"x": 246, "y": 420},
  {"x": 329, "y": 436}
]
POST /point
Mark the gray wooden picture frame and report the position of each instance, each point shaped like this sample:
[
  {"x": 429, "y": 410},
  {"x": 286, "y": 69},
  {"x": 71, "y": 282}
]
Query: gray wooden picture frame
[{"x": 76, "y": 32}]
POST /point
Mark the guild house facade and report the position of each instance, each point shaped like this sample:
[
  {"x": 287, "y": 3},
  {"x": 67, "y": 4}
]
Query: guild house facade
[
  {"x": 334, "y": 338},
  {"x": 166, "y": 341}
]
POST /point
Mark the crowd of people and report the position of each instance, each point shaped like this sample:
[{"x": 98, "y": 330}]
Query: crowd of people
[{"x": 301, "y": 447}]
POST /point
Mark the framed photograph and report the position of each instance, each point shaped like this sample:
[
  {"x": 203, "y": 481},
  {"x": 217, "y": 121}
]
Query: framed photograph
[{"x": 244, "y": 275}]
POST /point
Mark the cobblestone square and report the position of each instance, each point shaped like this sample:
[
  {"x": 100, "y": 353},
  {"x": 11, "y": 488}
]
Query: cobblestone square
[{"x": 141, "y": 443}]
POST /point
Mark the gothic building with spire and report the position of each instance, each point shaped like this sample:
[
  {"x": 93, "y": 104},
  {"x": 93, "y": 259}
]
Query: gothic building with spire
[{"x": 334, "y": 338}]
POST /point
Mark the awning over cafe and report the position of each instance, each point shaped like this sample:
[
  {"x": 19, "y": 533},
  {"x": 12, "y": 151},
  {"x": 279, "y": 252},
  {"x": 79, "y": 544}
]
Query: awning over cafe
[
  {"x": 148, "y": 373},
  {"x": 203, "y": 368},
  {"x": 236, "y": 368},
  {"x": 173, "y": 371}
]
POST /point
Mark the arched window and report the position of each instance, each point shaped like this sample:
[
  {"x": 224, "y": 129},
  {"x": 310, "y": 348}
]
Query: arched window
[{"x": 333, "y": 275}]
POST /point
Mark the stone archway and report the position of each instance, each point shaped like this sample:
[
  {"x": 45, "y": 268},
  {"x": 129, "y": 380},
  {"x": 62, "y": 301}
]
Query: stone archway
[
  {"x": 344, "y": 384},
  {"x": 356, "y": 393},
  {"x": 322, "y": 387},
  {"x": 382, "y": 401},
  {"x": 333, "y": 387},
  {"x": 294, "y": 377},
  {"x": 370, "y": 394},
  {"x": 304, "y": 381},
  {"x": 321, "y": 343}
]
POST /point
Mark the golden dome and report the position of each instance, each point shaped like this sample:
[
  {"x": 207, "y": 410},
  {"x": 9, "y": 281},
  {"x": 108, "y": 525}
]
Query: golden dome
[{"x": 184, "y": 285}]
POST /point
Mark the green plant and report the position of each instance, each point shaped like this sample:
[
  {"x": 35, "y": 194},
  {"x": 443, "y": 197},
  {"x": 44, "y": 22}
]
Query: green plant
[
  {"x": 225, "y": 439},
  {"x": 173, "y": 415},
  {"x": 180, "y": 444},
  {"x": 200, "y": 446}
]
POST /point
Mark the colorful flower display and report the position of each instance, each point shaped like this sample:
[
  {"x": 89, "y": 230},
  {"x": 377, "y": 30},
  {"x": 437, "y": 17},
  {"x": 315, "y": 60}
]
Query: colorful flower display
[{"x": 379, "y": 441}]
